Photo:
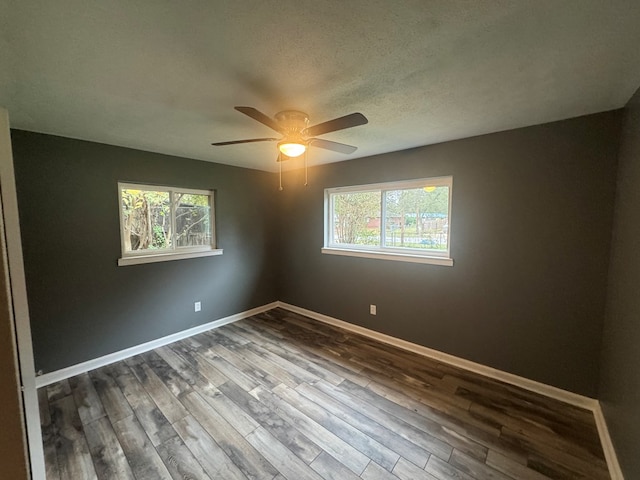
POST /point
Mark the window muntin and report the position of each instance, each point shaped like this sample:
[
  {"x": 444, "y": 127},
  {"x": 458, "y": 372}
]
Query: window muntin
[
  {"x": 409, "y": 218},
  {"x": 165, "y": 221}
]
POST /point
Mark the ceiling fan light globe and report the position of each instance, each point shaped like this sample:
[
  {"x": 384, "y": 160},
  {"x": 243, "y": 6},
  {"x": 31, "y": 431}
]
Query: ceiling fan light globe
[{"x": 292, "y": 149}]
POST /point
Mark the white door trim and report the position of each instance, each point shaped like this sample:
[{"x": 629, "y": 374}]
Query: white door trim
[{"x": 19, "y": 299}]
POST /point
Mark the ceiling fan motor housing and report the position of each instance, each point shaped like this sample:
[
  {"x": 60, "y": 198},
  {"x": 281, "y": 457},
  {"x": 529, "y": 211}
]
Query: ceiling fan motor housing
[{"x": 293, "y": 123}]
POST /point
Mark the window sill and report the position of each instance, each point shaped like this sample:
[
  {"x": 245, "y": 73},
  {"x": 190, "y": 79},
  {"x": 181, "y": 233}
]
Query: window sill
[
  {"x": 166, "y": 257},
  {"x": 398, "y": 257}
]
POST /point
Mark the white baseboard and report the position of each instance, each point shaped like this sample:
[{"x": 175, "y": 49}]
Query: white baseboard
[
  {"x": 62, "y": 374},
  {"x": 532, "y": 385},
  {"x": 516, "y": 380},
  {"x": 607, "y": 445}
]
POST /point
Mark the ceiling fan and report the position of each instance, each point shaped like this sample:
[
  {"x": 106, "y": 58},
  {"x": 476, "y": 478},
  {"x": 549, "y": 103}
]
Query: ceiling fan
[{"x": 297, "y": 136}]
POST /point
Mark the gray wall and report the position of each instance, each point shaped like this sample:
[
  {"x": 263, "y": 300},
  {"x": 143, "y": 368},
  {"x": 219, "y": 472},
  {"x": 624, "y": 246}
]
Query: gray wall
[
  {"x": 620, "y": 378},
  {"x": 531, "y": 226},
  {"x": 82, "y": 305},
  {"x": 532, "y": 216}
]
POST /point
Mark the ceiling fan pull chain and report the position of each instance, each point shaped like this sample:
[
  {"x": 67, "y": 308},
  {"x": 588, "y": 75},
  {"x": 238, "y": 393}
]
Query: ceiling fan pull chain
[
  {"x": 280, "y": 175},
  {"x": 306, "y": 176}
]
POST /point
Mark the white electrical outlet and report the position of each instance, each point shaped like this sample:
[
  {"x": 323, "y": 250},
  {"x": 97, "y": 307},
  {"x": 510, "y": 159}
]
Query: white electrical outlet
[
  {"x": 372, "y": 309},
  {"x": 198, "y": 306}
]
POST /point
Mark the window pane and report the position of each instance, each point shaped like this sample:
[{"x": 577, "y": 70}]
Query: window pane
[
  {"x": 356, "y": 218},
  {"x": 417, "y": 218},
  {"x": 192, "y": 219},
  {"x": 146, "y": 220}
]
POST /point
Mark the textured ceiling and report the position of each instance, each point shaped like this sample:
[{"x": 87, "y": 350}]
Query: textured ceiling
[{"x": 164, "y": 75}]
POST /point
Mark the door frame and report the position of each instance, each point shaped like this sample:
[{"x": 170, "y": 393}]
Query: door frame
[{"x": 18, "y": 300}]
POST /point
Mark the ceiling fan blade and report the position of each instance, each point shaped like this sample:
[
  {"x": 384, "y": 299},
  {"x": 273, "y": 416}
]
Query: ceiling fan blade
[
  {"x": 348, "y": 121},
  {"x": 334, "y": 146},
  {"x": 260, "y": 117},
  {"x": 251, "y": 140}
]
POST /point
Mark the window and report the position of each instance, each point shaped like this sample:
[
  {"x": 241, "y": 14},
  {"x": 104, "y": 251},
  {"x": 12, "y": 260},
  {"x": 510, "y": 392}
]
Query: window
[
  {"x": 406, "y": 221},
  {"x": 165, "y": 223}
]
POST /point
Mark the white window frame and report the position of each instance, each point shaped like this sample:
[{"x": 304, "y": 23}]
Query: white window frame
[
  {"x": 434, "y": 257},
  {"x": 175, "y": 252}
]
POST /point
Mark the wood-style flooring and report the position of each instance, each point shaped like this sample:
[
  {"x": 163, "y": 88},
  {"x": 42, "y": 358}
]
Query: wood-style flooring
[{"x": 280, "y": 396}]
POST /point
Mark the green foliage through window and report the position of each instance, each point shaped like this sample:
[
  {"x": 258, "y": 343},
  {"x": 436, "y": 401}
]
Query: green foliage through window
[
  {"x": 401, "y": 215},
  {"x": 159, "y": 219}
]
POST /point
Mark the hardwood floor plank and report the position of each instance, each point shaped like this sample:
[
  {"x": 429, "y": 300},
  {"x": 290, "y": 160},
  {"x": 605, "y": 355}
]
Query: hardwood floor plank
[
  {"x": 332, "y": 444},
  {"x": 237, "y": 418},
  {"x": 112, "y": 398},
  {"x": 331, "y": 469},
  {"x": 171, "y": 378},
  {"x": 108, "y": 457},
  {"x": 516, "y": 416},
  {"x": 407, "y": 471},
  {"x": 198, "y": 370},
  {"x": 442, "y": 470},
  {"x": 143, "y": 458},
  {"x": 427, "y": 390},
  {"x": 177, "y": 362},
  {"x": 43, "y": 407},
  {"x": 580, "y": 466},
  {"x": 275, "y": 371},
  {"x": 244, "y": 455},
  {"x": 279, "y": 396},
  {"x": 474, "y": 468},
  {"x": 380, "y": 416},
  {"x": 308, "y": 343},
  {"x": 72, "y": 451},
  {"x": 554, "y": 470},
  {"x": 58, "y": 390},
  {"x": 255, "y": 372},
  {"x": 376, "y": 472},
  {"x": 408, "y": 424},
  {"x": 385, "y": 436},
  {"x": 247, "y": 378},
  {"x": 162, "y": 396},
  {"x": 457, "y": 427},
  {"x": 218, "y": 337},
  {"x": 87, "y": 401},
  {"x": 232, "y": 334},
  {"x": 52, "y": 471},
  {"x": 504, "y": 464},
  {"x": 488, "y": 391},
  {"x": 49, "y": 436},
  {"x": 154, "y": 423},
  {"x": 196, "y": 363},
  {"x": 410, "y": 433},
  {"x": 354, "y": 437},
  {"x": 383, "y": 360},
  {"x": 273, "y": 423},
  {"x": 336, "y": 365},
  {"x": 212, "y": 458},
  {"x": 541, "y": 433},
  {"x": 289, "y": 465},
  {"x": 208, "y": 370},
  {"x": 300, "y": 374},
  {"x": 287, "y": 353},
  {"x": 180, "y": 461}
]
